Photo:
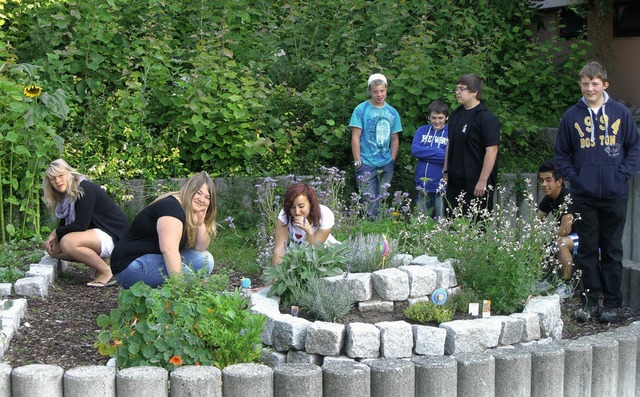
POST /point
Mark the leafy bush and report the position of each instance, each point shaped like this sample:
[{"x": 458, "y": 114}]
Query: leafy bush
[
  {"x": 187, "y": 321},
  {"x": 428, "y": 312},
  {"x": 15, "y": 258},
  {"x": 323, "y": 301},
  {"x": 459, "y": 302},
  {"x": 499, "y": 255},
  {"x": 300, "y": 265}
]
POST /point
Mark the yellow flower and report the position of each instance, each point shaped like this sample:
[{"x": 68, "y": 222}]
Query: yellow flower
[{"x": 32, "y": 91}]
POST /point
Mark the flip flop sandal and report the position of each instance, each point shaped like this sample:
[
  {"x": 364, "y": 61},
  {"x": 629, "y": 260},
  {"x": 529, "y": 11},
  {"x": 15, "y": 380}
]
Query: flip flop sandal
[{"x": 100, "y": 284}]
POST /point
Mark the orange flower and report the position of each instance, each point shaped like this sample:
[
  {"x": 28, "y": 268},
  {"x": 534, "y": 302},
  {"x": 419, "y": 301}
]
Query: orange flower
[
  {"x": 117, "y": 342},
  {"x": 210, "y": 310},
  {"x": 395, "y": 213},
  {"x": 197, "y": 364},
  {"x": 175, "y": 360}
]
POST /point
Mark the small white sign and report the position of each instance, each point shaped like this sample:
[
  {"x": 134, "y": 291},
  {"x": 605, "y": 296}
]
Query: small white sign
[{"x": 474, "y": 309}]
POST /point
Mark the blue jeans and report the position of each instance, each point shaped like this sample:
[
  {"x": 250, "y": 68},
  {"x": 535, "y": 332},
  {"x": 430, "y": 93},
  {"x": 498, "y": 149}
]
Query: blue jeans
[
  {"x": 430, "y": 204},
  {"x": 373, "y": 184},
  {"x": 151, "y": 269}
]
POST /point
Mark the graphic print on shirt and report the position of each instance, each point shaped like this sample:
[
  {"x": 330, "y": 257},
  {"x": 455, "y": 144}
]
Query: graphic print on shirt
[
  {"x": 383, "y": 134},
  {"x": 602, "y": 135}
]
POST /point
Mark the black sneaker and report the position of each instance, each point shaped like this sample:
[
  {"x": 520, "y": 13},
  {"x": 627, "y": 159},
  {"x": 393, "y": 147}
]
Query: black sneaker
[
  {"x": 585, "y": 314},
  {"x": 609, "y": 315}
]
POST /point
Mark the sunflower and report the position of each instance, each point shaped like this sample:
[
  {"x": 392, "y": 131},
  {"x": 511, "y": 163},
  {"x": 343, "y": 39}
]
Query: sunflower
[{"x": 32, "y": 91}]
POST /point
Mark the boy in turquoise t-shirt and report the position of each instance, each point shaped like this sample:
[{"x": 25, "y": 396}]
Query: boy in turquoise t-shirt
[{"x": 374, "y": 143}]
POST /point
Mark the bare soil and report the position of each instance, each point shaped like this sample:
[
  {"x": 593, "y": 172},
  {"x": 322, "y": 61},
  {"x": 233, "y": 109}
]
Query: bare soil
[{"x": 61, "y": 328}]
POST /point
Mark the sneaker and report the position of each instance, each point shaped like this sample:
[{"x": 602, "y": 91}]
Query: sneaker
[
  {"x": 585, "y": 314},
  {"x": 609, "y": 315},
  {"x": 564, "y": 291}
]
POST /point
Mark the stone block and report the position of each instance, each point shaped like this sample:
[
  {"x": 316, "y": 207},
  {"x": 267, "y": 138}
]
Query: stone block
[
  {"x": 465, "y": 336},
  {"x": 266, "y": 336},
  {"x": 445, "y": 274},
  {"x": 548, "y": 309},
  {"x": 32, "y": 286},
  {"x": 362, "y": 341},
  {"x": 289, "y": 332},
  {"x": 262, "y": 304},
  {"x": 547, "y": 370},
  {"x": 337, "y": 359},
  {"x": 37, "y": 269},
  {"x": 512, "y": 329},
  {"x": 359, "y": 285},
  {"x": 303, "y": 357},
  {"x": 401, "y": 260},
  {"x": 13, "y": 312},
  {"x": 5, "y": 379},
  {"x": 325, "y": 338},
  {"x": 272, "y": 358},
  {"x": 396, "y": 339},
  {"x": 376, "y": 306},
  {"x": 531, "y": 325},
  {"x": 428, "y": 340},
  {"x": 48, "y": 260},
  {"x": 422, "y": 281},
  {"x": 6, "y": 289},
  {"x": 391, "y": 284}
]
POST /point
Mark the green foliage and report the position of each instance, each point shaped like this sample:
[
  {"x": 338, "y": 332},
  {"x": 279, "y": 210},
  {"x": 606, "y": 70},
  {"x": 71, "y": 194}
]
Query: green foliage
[
  {"x": 258, "y": 88},
  {"x": 499, "y": 255},
  {"x": 459, "y": 302},
  {"x": 28, "y": 139},
  {"x": 428, "y": 312},
  {"x": 366, "y": 253},
  {"x": 187, "y": 321},
  {"x": 16, "y": 256},
  {"x": 323, "y": 301},
  {"x": 301, "y": 264}
]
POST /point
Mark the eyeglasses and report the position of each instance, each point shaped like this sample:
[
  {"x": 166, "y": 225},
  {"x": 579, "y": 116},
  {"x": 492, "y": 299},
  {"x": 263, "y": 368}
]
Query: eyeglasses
[{"x": 460, "y": 89}]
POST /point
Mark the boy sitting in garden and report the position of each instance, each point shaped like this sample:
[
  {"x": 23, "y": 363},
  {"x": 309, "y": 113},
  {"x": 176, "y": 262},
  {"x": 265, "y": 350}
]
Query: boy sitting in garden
[{"x": 554, "y": 202}]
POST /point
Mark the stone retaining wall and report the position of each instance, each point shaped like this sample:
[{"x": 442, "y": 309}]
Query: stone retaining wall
[{"x": 599, "y": 365}]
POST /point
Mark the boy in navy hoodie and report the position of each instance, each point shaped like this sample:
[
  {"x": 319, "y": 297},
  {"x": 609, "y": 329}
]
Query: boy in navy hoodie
[
  {"x": 597, "y": 150},
  {"x": 429, "y": 146}
]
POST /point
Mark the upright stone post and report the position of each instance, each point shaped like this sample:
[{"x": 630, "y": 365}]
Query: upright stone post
[
  {"x": 513, "y": 372},
  {"x": 201, "y": 381},
  {"x": 627, "y": 360},
  {"x": 547, "y": 370},
  {"x": 436, "y": 376},
  {"x": 142, "y": 382},
  {"x": 90, "y": 381},
  {"x": 634, "y": 329},
  {"x": 5, "y": 380},
  {"x": 578, "y": 363},
  {"x": 344, "y": 379},
  {"x": 297, "y": 380},
  {"x": 392, "y": 377},
  {"x": 476, "y": 374},
  {"x": 37, "y": 380},
  {"x": 604, "y": 376},
  {"x": 241, "y": 380}
]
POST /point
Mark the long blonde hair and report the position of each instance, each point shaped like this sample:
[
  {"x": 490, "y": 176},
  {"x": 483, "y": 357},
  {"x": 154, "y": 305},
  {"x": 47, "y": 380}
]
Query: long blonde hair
[
  {"x": 56, "y": 168},
  {"x": 186, "y": 193}
]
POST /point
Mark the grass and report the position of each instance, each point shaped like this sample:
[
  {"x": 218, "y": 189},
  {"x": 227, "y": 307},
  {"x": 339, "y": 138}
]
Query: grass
[{"x": 236, "y": 250}]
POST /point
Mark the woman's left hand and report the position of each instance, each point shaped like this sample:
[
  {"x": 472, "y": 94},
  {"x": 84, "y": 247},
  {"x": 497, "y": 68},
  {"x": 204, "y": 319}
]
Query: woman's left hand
[{"x": 198, "y": 217}]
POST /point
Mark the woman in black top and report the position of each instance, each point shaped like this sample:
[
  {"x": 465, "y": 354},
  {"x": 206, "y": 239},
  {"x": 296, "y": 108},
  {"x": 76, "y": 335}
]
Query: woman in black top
[
  {"x": 90, "y": 221},
  {"x": 169, "y": 236}
]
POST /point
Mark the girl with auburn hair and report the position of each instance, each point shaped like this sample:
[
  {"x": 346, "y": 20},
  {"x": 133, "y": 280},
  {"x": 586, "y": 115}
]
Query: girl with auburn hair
[
  {"x": 170, "y": 236},
  {"x": 90, "y": 221},
  {"x": 302, "y": 220}
]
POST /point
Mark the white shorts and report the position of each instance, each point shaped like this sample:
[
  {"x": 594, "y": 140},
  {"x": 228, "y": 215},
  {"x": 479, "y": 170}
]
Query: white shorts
[{"x": 106, "y": 243}]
